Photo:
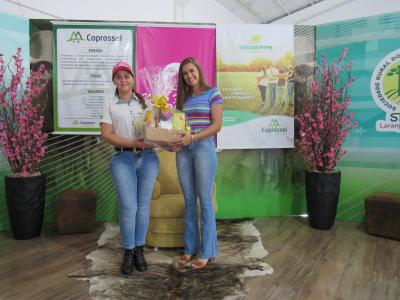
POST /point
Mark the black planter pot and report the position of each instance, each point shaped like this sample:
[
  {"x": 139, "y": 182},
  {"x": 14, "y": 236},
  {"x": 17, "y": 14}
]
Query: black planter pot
[
  {"x": 322, "y": 194},
  {"x": 25, "y": 202}
]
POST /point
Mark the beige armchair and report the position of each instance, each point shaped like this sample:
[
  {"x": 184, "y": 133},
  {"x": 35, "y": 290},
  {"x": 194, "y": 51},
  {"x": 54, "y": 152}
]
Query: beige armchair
[{"x": 167, "y": 206}]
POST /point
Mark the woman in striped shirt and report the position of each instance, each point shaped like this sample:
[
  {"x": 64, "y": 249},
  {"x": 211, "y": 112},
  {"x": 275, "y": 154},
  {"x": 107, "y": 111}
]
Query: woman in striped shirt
[{"x": 197, "y": 161}]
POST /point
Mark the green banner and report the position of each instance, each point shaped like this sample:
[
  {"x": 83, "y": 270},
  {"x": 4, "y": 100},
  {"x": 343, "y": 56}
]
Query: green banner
[{"x": 372, "y": 161}]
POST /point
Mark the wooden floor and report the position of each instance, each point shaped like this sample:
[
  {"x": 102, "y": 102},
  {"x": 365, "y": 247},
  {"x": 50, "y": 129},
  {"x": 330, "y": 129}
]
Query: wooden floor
[
  {"x": 38, "y": 268},
  {"x": 344, "y": 263}
]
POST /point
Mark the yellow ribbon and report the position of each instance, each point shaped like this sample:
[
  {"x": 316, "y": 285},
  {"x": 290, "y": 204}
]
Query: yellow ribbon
[
  {"x": 161, "y": 102},
  {"x": 148, "y": 116}
]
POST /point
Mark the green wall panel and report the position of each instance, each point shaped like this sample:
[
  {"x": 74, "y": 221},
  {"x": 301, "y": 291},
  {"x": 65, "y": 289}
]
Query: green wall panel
[
  {"x": 14, "y": 33},
  {"x": 372, "y": 163}
]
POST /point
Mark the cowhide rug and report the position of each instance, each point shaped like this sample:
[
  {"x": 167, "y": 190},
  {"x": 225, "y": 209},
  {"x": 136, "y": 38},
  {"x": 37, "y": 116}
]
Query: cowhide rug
[{"x": 241, "y": 255}]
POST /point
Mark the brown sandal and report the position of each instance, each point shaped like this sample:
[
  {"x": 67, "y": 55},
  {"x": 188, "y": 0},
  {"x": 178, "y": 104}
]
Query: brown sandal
[
  {"x": 200, "y": 263},
  {"x": 184, "y": 260}
]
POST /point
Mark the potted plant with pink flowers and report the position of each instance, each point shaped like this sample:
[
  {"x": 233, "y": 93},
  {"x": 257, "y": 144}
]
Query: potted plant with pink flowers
[
  {"x": 323, "y": 124},
  {"x": 22, "y": 141}
]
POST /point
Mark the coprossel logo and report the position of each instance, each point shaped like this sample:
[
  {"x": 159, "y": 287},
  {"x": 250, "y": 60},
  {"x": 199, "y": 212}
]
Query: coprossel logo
[
  {"x": 274, "y": 123},
  {"x": 75, "y": 37},
  {"x": 274, "y": 127}
]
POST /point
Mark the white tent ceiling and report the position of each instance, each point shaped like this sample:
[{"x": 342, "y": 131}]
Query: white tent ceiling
[
  {"x": 270, "y": 11},
  {"x": 308, "y": 12},
  {"x": 265, "y": 11}
]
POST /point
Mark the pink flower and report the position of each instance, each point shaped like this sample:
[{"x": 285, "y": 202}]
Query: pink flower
[
  {"x": 323, "y": 122},
  {"x": 21, "y": 122},
  {"x": 342, "y": 56}
]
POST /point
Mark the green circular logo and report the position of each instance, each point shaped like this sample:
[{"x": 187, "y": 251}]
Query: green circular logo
[
  {"x": 391, "y": 82},
  {"x": 385, "y": 82}
]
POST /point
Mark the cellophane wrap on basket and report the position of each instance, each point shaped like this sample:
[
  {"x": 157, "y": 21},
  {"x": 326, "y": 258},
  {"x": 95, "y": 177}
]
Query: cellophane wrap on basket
[
  {"x": 162, "y": 124},
  {"x": 160, "y": 84}
]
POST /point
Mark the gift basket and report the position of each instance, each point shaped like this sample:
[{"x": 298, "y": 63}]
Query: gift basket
[{"x": 161, "y": 123}]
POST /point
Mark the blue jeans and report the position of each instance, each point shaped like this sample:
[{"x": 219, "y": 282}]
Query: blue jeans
[
  {"x": 280, "y": 94},
  {"x": 290, "y": 87},
  {"x": 197, "y": 166},
  {"x": 134, "y": 175},
  {"x": 263, "y": 91},
  {"x": 272, "y": 93}
]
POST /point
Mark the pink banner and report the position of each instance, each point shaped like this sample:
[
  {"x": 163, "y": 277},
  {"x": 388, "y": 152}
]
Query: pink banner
[{"x": 159, "y": 50}]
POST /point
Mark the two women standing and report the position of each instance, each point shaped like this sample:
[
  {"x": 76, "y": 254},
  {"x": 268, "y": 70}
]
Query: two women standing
[{"x": 134, "y": 166}]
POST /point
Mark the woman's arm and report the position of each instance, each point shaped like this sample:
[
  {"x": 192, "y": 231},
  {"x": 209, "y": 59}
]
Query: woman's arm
[
  {"x": 107, "y": 133},
  {"x": 261, "y": 77}
]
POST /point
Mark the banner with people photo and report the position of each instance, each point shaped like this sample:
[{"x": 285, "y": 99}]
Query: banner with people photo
[
  {"x": 84, "y": 57},
  {"x": 256, "y": 78},
  {"x": 159, "y": 50}
]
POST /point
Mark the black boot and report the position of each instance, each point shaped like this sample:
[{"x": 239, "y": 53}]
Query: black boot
[
  {"x": 138, "y": 257},
  {"x": 127, "y": 262}
]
